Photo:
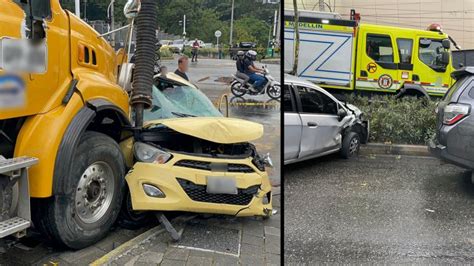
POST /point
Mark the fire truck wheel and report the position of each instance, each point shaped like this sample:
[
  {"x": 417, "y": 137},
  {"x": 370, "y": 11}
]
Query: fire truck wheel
[{"x": 83, "y": 214}]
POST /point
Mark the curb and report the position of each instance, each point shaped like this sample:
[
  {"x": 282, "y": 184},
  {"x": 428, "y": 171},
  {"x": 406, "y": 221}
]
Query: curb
[
  {"x": 271, "y": 61},
  {"x": 395, "y": 149},
  {"x": 129, "y": 245}
]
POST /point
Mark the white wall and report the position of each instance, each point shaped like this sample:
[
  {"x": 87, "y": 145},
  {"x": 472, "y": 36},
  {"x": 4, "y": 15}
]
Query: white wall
[{"x": 455, "y": 16}]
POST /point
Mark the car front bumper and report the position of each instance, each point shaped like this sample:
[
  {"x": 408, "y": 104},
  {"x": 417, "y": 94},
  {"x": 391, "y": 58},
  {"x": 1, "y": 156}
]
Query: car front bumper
[{"x": 185, "y": 188}]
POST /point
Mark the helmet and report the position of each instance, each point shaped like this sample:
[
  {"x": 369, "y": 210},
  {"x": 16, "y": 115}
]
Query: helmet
[
  {"x": 240, "y": 54},
  {"x": 251, "y": 54}
]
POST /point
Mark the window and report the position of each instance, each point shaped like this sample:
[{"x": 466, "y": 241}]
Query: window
[
  {"x": 287, "y": 101},
  {"x": 379, "y": 48},
  {"x": 404, "y": 50},
  {"x": 316, "y": 102},
  {"x": 430, "y": 53}
]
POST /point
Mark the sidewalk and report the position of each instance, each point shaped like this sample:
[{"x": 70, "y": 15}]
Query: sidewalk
[{"x": 206, "y": 240}]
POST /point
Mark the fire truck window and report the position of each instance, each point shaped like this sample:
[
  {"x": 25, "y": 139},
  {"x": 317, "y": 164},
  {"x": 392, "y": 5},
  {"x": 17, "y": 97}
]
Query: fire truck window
[
  {"x": 404, "y": 50},
  {"x": 287, "y": 101},
  {"x": 430, "y": 53},
  {"x": 316, "y": 102},
  {"x": 379, "y": 48}
]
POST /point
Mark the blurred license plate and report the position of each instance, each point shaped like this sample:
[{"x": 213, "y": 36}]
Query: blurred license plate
[
  {"x": 20, "y": 55},
  {"x": 221, "y": 185}
]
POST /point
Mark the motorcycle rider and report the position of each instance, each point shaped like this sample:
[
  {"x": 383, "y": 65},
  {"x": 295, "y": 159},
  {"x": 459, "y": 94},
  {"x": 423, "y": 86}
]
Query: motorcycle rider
[
  {"x": 251, "y": 70},
  {"x": 240, "y": 68}
]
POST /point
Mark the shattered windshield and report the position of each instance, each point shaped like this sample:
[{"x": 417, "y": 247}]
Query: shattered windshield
[{"x": 172, "y": 101}]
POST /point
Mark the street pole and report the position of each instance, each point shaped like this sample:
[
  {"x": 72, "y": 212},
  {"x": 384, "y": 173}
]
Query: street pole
[
  {"x": 231, "y": 23},
  {"x": 184, "y": 31},
  {"x": 218, "y": 52},
  {"x": 274, "y": 31},
  {"x": 77, "y": 6},
  {"x": 112, "y": 22}
]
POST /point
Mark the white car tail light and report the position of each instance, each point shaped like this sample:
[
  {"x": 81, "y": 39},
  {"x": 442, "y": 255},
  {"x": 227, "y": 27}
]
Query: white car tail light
[{"x": 455, "y": 112}]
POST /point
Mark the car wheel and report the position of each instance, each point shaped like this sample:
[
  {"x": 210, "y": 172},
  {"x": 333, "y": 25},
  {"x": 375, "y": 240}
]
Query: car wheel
[
  {"x": 130, "y": 219},
  {"x": 350, "y": 145},
  {"x": 84, "y": 214}
]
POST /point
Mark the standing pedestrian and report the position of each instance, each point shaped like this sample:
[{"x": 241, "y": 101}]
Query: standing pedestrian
[
  {"x": 195, "y": 50},
  {"x": 183, "y": 66}
]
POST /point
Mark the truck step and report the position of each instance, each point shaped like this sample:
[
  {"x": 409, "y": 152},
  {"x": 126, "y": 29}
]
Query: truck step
[
  {"x": 8, "y": 165},
  {"x": 13, "y": 225}
]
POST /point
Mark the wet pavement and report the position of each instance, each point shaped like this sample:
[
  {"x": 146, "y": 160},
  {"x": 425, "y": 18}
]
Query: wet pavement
[{"x": 378, "y": 209}]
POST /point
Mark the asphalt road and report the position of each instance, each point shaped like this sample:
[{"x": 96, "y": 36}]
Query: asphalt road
[{"x": 383, "y": 209}]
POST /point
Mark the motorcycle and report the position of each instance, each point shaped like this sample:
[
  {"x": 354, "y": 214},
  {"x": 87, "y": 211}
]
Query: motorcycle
[{"x": 272, "y": 87}]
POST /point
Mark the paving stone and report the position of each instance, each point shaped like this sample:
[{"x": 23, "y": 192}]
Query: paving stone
[
  {"x": 174, "y": 253},
  {"x": 269, "y": 230},
  {"x": 250, "y": 250},
  {"x": 252, "y": 260},
  {"x": 272, "y": 259},
  {"x": 272, "y": 244},
  {"x": 224, "y": 260},
  {"x": 253, "y": 227},
  {"x": 199, "y": 253},
  {"x": 274, "y": 221},
  {"x": 252, "y": 240},
  {"x": 84, "y": 256},
  {"x": 112, "y": 241},
  {"x": 167, "y": 262},
  {"x": 150, "y": 257},
  {"x": 199, "y": 261}
]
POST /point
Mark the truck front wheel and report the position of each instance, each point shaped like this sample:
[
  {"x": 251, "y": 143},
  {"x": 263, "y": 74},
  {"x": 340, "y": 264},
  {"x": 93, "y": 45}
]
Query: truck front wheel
[{"x": 85, "y": 212}]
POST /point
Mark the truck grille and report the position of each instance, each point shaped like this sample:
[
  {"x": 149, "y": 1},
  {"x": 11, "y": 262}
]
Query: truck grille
[
  {"x": 198, "y": 193},
  {"x": 231, "y": 167}
]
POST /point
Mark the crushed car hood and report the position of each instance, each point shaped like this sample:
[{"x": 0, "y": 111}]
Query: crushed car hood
[{"x": 216, "y": 129}]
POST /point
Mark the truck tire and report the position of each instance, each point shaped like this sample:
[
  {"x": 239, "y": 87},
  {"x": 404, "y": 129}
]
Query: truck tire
[
  {"x": 350, "y": 145},
  {"x": 83, "y": 215}
]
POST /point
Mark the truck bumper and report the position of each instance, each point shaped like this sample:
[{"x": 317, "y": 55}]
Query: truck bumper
[{"x": 185, "y": 190}]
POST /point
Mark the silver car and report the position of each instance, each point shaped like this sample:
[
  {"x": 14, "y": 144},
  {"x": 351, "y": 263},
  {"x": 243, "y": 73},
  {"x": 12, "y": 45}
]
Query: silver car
[{"x": 316, "y": 123}]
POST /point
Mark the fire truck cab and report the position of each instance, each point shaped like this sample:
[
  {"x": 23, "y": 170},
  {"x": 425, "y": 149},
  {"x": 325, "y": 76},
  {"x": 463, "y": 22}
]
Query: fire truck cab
[{"x": 340, "y": 54}]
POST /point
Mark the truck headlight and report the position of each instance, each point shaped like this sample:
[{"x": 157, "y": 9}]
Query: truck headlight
[{"x": 150, "y": 154}]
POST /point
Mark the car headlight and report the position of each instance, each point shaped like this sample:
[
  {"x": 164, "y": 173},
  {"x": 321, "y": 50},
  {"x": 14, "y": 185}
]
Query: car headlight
[{"x": 150, "y": 154}]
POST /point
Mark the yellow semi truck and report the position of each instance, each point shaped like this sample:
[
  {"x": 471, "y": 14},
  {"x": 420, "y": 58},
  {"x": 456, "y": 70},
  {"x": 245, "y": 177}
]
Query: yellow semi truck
[
  {"x": 72, "y": 133},
  {"x": 349, "y": 55}
]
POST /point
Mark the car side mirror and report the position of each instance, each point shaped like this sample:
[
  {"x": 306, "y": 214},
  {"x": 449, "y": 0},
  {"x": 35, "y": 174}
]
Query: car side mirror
[{"x": 341, "y": 113}]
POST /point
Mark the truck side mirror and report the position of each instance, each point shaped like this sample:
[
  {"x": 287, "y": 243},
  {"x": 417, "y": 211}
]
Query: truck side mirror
[
  {"x": 131, "y": 9},
  {"x": 341, "y": 113},
  {"x": 446, "y": 43},
  {"x": 444, "y": 58}
]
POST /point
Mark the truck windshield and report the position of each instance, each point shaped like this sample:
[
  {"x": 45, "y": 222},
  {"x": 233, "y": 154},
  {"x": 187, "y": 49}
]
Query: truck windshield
[
  {"x": 430, "y": 53},
  {"x": 175, "y": 101}
]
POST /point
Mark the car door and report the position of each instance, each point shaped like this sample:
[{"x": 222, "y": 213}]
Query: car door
[
  {"x": 320, "y": 123},
  {"x": 292, "y": 125}
]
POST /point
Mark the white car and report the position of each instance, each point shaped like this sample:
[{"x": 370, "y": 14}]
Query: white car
[{"x": 176, "y": 46}]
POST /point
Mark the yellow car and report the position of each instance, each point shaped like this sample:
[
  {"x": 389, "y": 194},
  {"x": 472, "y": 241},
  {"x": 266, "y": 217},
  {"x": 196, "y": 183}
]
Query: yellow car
[{"x": 190, "y": 158}]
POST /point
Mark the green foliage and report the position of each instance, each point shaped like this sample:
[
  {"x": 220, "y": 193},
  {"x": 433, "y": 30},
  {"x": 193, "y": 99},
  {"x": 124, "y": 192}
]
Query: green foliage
[
  {"x": 165, "y": 52},
  {"x": 401, "y": 121},
  {"x": 252, "y": 19}
]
